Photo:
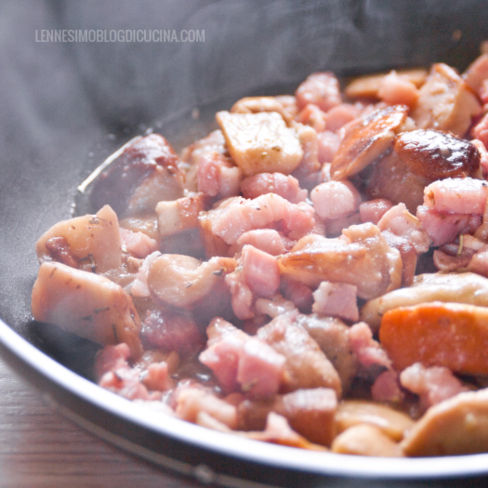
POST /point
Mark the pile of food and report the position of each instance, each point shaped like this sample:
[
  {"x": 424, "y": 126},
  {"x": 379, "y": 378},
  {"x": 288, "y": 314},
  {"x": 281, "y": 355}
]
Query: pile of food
[{"x": 313, "y": 273}]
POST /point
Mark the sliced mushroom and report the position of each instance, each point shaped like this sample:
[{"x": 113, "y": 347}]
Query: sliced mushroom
[
  {"x": 144, "y": 173},
  {"x": 392, "y": 422},
  {"x": 86, "y": 304},
  {"x": 306, "y": 365},
  {"x": 310, "y": 412},
  {"x": 331, "y": 334},
  {"x": 366, "y": 139},
  {"x": 90, "y": 241},
  {"x": 260, "y": 142},
  {"x": 365, "y": 440},
  {"x": 436, "y": 155},
  {"x": 361, "y": 257},
  {"x": 466, "y": 287},
  {"x": 445, "y": 102},
  {"x": 367, "y": 86},
  {"x": 285, "y": 105},
  {"x": 181, "y": 280},
  {"x": 456, "y": 426}
]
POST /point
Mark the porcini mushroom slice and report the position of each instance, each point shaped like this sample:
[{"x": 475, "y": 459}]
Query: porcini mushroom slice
[
  {"x": 260, "y": 142},
  {"x": 89, "y": 241},
  {"x": 392, "y": 422},
  {"x": 365, "y": 440},
  {"x": 181, "y": 280},
  {"x": 86, "y": 304},
  {"x": 458, "y": 425},
  {"x": 445, "y": 102},
  {"x": 366, "y": 140},
  {"x": 361, "y": 257},
  {"x": 367, "y": 86},
  {"x": 466, "y": 287}
]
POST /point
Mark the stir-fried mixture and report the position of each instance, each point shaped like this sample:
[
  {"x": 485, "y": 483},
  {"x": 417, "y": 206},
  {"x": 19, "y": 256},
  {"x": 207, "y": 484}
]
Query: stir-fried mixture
[{"x": 313, "y": 273}]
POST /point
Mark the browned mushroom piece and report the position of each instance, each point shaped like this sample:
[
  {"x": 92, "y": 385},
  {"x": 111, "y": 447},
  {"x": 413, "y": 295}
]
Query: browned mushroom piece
[
  {"x": 306, "y": 365},
  {"x": 390, "y": 178},
  {"x": 366, "y": 139},
  {"x": 361, "y": 256},
  {"x": 86, "y": 304},
  {"x": 309, "y": 411},
  {"x": 181, "y": 280},
  {"x": 458, "y": 425},
  {"x": 366, "y": 440},
  {"x": 260, "y": 142},
  {"x": 418, "y": 158},
  {"x": 436, "y": 155},
  {"x": 367, "y": 86},
  {"x": 331, "y": 334},
  {"x": 470, "y": 288},
  {"x": 285, "y": 105},
  {"x": 445, "y": 102},
  {"x": 146, "y": 172},
  {"x": 391, "y": 422},
  {"x": 89, "y": 242}
]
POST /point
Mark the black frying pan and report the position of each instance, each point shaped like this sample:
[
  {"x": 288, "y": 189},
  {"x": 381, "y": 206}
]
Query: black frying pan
[{"x": 67, "y": 106}]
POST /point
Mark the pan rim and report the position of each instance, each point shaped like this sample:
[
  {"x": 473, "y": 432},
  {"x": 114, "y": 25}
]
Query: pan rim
[{"x": 318, "y": 463}]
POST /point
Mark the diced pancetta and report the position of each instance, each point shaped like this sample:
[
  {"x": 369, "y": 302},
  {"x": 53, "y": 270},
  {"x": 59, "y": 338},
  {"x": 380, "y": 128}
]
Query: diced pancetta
[
  {"x": 367, "y": 350},
  {"x": 335, "y": 199},
  {"x": 268, "y": 240},
  {"x": 337, "y": 300},
  {"x": 373, "y": 210},
  {"x": 306, "y": 366},
  {"x": 395, "y": 89},
  {"x": 137, "y": 244},
  {"x": 321, "y": 89},
  {"x": 286, "y": 186},
  {"x": 241, "y": 361},
  {"x": 170, "y": 331},
  {"x": 237, "y": 215},
  {"x": 433, "y": 384}
]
